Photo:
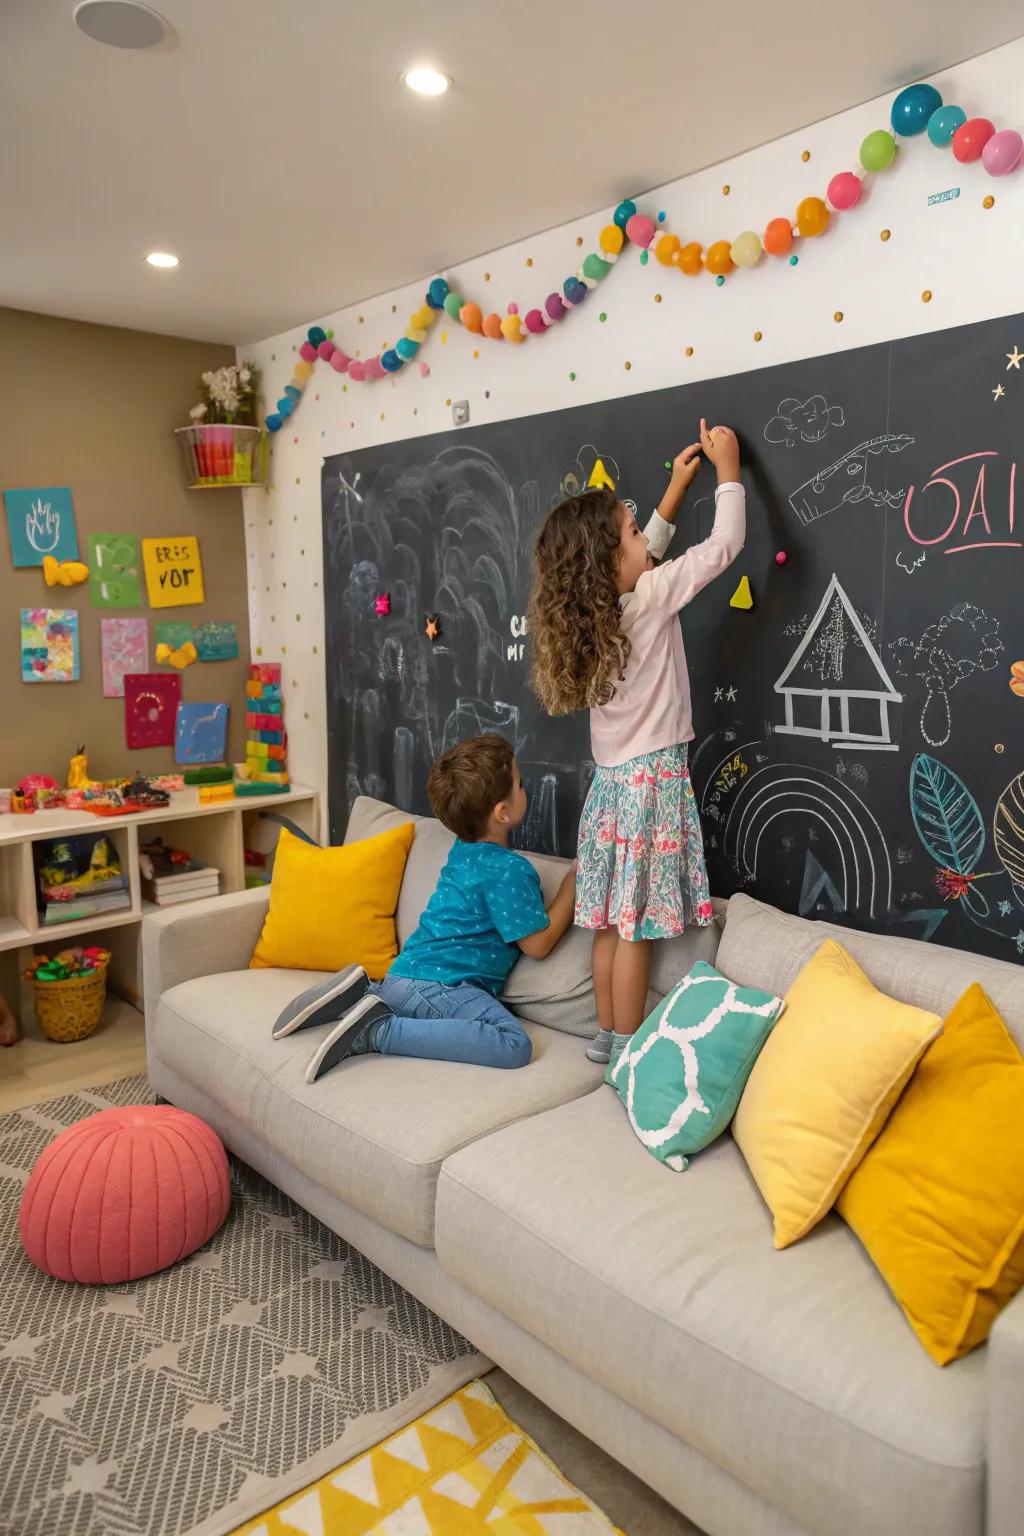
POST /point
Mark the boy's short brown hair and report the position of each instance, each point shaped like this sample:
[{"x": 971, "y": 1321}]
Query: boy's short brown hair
[{"x": 468, "y": 781}]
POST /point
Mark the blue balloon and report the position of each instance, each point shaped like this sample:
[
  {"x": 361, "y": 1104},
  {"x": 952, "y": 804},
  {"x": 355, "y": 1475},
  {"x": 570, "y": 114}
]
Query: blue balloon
[
  {"x": 285, "y": 405},
  {"x": 944, "y": 123},
  {"x": 437, "y": 293},
  {"x": 274, "y": 422},
  {"x": 316, "y": 334},
  {"x": 624, "y": 212},
  {"x": 913, "y": 107},
  {"x": 406, "y": 349},
  {"x": 574, "y": 290},
  {"x": 390, "y": 360},
  {"x": 293, "y": 392}
]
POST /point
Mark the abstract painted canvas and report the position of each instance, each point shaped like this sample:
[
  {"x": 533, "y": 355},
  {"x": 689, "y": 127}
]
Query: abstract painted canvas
[
  {"x": 123, "y": 645},
  {"x": 202, "y": 733},
  {"x": 150, "y": 705},
  {"x": 41, "y": 522},
  {"x": 114, "y": 570},
  {"x": 217, "y": 641},
  {"x": 49, "y": 645}
]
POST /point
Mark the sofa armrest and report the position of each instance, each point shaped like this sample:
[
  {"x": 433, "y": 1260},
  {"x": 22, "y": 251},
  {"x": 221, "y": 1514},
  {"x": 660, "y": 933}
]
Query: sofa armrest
[
  {"x": 200, "y": 938},
  {"x": 1004, "y": 1372}
]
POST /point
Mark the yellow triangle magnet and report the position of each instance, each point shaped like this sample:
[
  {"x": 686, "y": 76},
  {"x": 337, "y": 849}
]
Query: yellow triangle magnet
[
  {"x": 742, "y": 597},
  {"x": 599, "y": 476}
]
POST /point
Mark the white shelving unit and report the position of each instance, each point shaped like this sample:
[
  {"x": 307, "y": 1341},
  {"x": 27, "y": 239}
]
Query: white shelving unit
[{"x": 218, "y": 834}]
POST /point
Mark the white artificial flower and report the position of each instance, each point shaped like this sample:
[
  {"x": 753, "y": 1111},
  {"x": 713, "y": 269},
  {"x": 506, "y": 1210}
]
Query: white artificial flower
[
  {"x": 197, "y": 412},
  {"x": 244, "y": 375}
]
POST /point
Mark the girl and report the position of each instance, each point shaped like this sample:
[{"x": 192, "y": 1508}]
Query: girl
[{"x": 602, "y": 620}]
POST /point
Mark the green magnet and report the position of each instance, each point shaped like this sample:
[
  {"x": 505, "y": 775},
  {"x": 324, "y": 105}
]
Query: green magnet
[
  {"x": 719, "y": 280},
  {"x": 572, "y": 378},
  {"x": 668, "y": 463},
  {"x": 793, "y": 260},
  {"x": 644, "y": 257},
  {"x": 602, "y": 316}
]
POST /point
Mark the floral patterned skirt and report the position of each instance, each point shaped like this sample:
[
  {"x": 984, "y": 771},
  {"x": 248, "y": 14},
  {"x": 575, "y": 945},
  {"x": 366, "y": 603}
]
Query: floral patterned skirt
[{"x": 641, "y": 854}]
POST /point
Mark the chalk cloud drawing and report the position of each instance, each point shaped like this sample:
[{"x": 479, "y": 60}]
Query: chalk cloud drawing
[
  {"x": 806, "y": 421},
  {"x": 859, "y": 476},
  {"x": 835, "y": 686},
  {"x": 964, "y": 641}
]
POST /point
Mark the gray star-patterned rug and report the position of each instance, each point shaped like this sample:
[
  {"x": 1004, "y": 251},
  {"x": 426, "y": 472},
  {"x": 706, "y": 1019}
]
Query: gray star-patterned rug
[{"x": 188, "y": 1402}]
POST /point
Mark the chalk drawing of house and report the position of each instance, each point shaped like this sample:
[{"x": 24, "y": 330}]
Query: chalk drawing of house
[{"x": 835, "y": 685}]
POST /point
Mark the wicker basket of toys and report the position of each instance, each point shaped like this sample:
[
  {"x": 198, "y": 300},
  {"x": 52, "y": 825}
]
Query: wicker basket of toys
[{"x": 69, "y": 992}]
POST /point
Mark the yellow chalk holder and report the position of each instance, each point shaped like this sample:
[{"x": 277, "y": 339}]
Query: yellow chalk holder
[
  {"x": 742, "y": 597},
  {"x": 212, "y": 794}
]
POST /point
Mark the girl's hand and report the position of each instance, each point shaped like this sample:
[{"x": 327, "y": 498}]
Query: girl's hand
[
  {"x": 685, "y": 465},
  {"x": 721, "y": 447}
]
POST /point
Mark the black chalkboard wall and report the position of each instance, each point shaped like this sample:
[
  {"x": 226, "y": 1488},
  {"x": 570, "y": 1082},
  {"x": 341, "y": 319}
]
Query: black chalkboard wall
[{"x": 859, "y": 749}]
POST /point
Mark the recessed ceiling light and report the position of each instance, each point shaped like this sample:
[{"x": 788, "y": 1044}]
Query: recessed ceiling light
[
  {"x": 119, "y": 23},
  {"x": 426, "y": 81},
  {"x": 162, "y": 259}
]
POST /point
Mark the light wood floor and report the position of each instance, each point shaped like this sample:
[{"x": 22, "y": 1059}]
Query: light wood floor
[{"x": 37, "y": 1068}]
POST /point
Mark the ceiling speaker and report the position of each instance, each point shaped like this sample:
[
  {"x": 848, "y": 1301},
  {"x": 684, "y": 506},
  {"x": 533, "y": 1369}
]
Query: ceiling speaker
[{"x": 119, "y": 23}]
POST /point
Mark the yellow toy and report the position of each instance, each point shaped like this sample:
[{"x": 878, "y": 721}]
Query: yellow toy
[
  {"x": 178, "y": 658},
  {"x": 63, "y": 573},
  {"x": 78, "y": 771}
]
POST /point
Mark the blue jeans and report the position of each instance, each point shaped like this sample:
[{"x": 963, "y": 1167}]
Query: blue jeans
[{"x": 439, "y": 1023}]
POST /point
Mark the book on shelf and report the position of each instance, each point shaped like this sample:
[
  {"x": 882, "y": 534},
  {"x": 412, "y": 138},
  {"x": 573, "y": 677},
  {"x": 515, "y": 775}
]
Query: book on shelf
[
  {"x": 196, "y": 873},
  {"x": 82, "y": 907},
  {"x": 174, "y": 898}
]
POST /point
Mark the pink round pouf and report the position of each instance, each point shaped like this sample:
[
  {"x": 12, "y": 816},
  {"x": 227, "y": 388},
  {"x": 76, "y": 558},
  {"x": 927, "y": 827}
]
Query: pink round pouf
[{"x": 123, "y": 1194}]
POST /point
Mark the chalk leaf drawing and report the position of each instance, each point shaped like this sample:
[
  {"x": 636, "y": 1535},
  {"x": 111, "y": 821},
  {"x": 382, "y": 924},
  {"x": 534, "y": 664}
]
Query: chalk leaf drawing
[
  {"x": 946, "y": 816},
  {"x": 806, "y": 420},
  {"x": 861, "y": 475},
  {"x": 835, "y": 686},
  {"x": 965, "y": 640},
  {"x": 1008, "y": 829}
]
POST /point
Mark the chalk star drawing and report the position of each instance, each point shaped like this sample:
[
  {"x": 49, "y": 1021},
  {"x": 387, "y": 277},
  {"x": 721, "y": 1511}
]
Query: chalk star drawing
[
  {"x": 433, "y": 627},
  {"x": 965, "y": 640},
  {"x": 730, "y": 695},
  {"x": 1005, "y": 908},
  {"x": 836, "y": 650},
  {"x": 852, "y": 479},
  {"x": 1019, "y": 941},
  {"x": 1014, "y": 359},
  {"x": 808, "y": 420},
  {"x": 719, "y": 694},
  {"x": 998, "y": 392}
]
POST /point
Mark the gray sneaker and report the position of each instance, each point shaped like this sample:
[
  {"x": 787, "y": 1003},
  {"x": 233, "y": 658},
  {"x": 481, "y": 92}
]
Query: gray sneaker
[
  {"x": 324, "y": 1003},
  {"x": 349, "y": 1037}
]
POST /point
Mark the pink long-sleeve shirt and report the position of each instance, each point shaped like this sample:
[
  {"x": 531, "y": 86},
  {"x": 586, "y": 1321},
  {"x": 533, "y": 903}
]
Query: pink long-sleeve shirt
[{"x": 651, "y": 706}]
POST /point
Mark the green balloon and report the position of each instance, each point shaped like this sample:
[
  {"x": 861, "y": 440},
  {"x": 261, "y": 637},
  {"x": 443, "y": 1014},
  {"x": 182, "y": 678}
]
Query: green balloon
[
  {"x": 452, "y": 304},
  {"x": 594, "y": 267},
  {"x": 878, "y": 150}
]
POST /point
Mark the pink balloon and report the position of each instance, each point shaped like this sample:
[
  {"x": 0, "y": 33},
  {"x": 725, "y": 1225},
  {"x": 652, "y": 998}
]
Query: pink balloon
[
  {"x": 1002, "y": 153},
  {"x": 339, "y": 360},
  {"x": 326, "y": 350},
  {"x": 308, "y": 351},
  {"x": 357, "y": 371},
  {"x": 375, "y": 369},
  {"x": 844, "y": 190},
  {"x": 640, "y": 229},
  {"x": 535, "y": 321}
]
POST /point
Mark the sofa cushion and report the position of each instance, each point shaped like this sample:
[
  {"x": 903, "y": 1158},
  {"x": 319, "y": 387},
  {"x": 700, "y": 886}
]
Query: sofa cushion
[
  {"x": 557, "y": 992},
  {"x": 793, "y": 1371},
  {"x": 763, "y": 947},
  {"x": 376, "y": 1129}
]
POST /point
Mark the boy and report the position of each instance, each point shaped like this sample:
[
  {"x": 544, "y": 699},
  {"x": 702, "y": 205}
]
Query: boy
[{"x": 440, "y": 998}]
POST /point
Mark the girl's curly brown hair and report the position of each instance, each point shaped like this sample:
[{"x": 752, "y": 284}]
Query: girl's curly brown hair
[{"x": 574, "y": 621}]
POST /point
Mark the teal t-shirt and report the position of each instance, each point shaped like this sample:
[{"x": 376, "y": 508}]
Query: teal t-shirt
[{"x": 486, "y": 898}]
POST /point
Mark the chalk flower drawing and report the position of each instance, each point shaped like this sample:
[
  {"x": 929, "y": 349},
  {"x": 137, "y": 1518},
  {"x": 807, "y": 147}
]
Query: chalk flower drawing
[
  {"x": 807, "y": 420},
  {"x": 849, "y": 704},
  {"x": 964, "y": 641},
  {"x": 862, "y": 475}
]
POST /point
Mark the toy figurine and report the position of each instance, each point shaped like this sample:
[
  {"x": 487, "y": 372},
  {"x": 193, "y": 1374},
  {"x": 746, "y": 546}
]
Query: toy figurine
[{"x": 78, "y": 771}]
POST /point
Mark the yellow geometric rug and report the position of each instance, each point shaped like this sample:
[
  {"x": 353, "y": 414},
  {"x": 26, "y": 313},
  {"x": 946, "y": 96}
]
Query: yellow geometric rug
[{"x": 463, "y": 1469}]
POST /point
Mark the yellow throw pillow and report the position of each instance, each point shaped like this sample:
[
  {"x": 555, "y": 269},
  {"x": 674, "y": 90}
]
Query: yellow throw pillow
[
  {"x": 938, "y": 1202},
  {"x": 331, "y": 907},
  {"x": 822, "y": 1087}
]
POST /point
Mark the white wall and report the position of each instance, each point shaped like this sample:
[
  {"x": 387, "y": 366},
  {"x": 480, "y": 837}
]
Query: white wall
[{"x": 967, "y": 256}]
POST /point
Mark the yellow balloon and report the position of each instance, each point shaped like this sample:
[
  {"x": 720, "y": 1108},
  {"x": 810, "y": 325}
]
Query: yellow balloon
[
  {"x": 416, "y": 333},
  {"x": 512, "y": 328},
  {"x": 812, "y": 217},
  {"x": 611, "y": 239},
  {"x": 303, "y": 369},
  {"x": 746, "y": 249},
  {"x": 666, "y": 249},
  {"x": 424, "y": 317}
]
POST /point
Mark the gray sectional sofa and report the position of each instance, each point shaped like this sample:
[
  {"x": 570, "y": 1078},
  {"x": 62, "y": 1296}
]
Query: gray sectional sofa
[{"x": 761, "y": 1393}]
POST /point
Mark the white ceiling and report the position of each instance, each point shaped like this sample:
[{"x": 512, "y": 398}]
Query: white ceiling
[{"x": 271, "y": 147}]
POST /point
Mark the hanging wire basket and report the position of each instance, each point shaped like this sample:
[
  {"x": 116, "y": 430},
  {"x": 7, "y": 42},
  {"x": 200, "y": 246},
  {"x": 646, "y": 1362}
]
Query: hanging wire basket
[{"x": 224, "y": 455}]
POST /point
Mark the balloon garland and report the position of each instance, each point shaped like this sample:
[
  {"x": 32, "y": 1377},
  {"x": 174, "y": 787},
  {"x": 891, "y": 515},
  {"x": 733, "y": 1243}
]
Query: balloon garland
[{"x": 916, "y": 110}]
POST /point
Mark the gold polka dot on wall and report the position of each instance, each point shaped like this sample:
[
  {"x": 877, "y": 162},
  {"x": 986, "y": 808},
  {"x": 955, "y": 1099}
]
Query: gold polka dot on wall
[
  {"x": 885, "y": 235},
  {"x": 382, "y": 415},
  {"x": 259, "y": 650},
  {"x": 657, "y": 298},
  {"x": 689, "y": 351},
  {"x": 579, "y": 239},
  {"x": 805, "y": 156},
  {"x": 628, "y": 366},
  {"x": 360, "y": 319},
  {"x": 999, "y": 747},
  {"x": 394, "y": 309},
  {"x": 314, "y": 650},
  {"x": 305, "y": 714},
  {"x": 926, "y": 297},
  {"x": 487, "y": 394},
  {"x": 283, "y": 649},
  {"x": 529, "y": 261},
  {"x": 476, "y": 352},
  {"x": 726, "y": 190},
  {"x": 448, "y": 401},
  {"x": 487, "y": 277},
  {"x": 837, "y": 317},
  {"x": 757, "y": 335},
  {"x": 988, "y": 202}
]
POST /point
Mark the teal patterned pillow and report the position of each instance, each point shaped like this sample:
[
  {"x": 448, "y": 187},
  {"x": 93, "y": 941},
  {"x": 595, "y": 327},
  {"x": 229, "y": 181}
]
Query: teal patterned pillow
[{"x": 682, "y": 1075}]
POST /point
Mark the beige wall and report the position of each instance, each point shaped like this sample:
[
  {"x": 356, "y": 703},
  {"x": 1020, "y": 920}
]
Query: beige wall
[{"x": 93, "y": 407}]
